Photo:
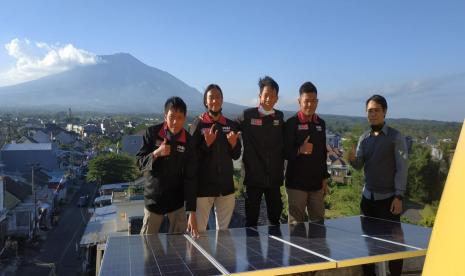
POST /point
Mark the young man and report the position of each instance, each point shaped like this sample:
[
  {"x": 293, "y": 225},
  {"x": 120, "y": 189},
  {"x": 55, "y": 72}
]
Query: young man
[
  {"x": 382, "y": 152},
  {"x": 167, "y": 159},
  {"x": 215, "y": 139},
  {"x": 305, "y": 147},
  {"x": 262, "y": 134}
]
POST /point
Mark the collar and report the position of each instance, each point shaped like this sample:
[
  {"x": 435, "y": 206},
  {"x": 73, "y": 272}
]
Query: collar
[
  {"x": 207, "y": 119},
  {"x": 384, "y": 129},
  {"x": 166, "y": 133},
  {"x": 262, "y": 112},
  {"x": 303, "y": 119}
]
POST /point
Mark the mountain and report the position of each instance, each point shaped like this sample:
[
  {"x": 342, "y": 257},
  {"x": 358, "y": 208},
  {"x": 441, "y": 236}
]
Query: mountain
[{"x": 118, "y": 83}]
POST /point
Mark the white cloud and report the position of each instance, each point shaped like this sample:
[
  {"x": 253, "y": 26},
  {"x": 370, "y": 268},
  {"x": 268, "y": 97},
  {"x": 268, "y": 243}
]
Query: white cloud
[{"x": 39, "y": 59}]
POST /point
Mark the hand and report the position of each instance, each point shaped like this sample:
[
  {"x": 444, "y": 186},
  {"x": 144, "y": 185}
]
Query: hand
[
  {"x": 324, "y": 187},
  {"x": 163, "y": 150},
  {"x": 396, "y": 206},
  {"x": 192, "y": 225},
  {"x": 232, "y": 138},
  {"x": 306, "y": 148},
  {"x": 352, "y": 154},
  {"x": 210, "y": 135}
]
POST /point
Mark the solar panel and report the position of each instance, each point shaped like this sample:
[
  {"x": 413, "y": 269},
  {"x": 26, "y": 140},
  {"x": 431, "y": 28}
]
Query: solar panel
[
  {"x": 343, "y": 247},
  {"x": 266, "y": 249},
  {"x": 408, "y": 234},
  {"x": 162, "y": 254},
  {"x": 245, "y": 249}
]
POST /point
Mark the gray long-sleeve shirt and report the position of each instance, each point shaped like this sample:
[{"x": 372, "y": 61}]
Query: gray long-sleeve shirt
[{"x": 384, "y": 159}]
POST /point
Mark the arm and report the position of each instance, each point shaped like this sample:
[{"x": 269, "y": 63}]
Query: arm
[
  {"x": 190, "y": 178},
  {"x": 324, "y": 165},
  {"x": 190, "y": 189},
  {"x": 290, "y": 148},
  {"x": 401, "y": 157},
  {"x": 356, "y": 155},
  {"x": 145, "y": 156},
  {"x": 235, "y": 152}
]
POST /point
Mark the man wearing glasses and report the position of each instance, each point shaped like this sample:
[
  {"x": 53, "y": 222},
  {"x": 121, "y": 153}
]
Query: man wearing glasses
[{"x": 382, "y": 152}]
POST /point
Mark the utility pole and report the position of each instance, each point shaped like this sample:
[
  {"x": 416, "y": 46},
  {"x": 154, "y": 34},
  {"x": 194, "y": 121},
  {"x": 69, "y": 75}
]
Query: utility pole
[{"x": 35, "y": 199}]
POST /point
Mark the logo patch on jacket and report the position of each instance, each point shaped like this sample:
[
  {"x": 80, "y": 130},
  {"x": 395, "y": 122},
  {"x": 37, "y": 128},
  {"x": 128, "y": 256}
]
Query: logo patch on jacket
[
  {"x": 181, "y": 148},
  {"x": 256, "y": 122},
  {"x": 226, "y": 129},
  {"x": 276, "y": 122},
  {"x": 303, "y": 127},
  {"x": 319, "y": 128}
]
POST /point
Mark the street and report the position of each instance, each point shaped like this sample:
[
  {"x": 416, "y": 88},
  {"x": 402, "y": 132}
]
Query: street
[{"x": 59, "y": 249}]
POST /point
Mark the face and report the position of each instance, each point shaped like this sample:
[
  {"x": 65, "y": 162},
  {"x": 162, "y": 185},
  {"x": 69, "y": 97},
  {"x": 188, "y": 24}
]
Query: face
[
  {"x": 175, "y": 120},
  {"x": 375, "y": 113},
  {"x": 214, "y": 100},
  {"x": 268, "y": 98},
  {"x": 308, "y": 103}
]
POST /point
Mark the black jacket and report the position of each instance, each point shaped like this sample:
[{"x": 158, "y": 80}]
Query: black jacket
[
  {"x": 171, "y": 180},
  {"x": 215, "y": 174},
  {"x": 305, "y": 172},
  {"x": 263, "y": 155}
]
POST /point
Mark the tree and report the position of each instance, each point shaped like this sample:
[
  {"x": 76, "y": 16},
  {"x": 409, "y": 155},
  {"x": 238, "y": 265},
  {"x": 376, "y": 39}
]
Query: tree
[{"x": 112, "y": 168}]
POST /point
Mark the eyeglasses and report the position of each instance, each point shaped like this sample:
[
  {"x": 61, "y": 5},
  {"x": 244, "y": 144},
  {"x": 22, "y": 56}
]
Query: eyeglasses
[{"x": 375, "y": 110}]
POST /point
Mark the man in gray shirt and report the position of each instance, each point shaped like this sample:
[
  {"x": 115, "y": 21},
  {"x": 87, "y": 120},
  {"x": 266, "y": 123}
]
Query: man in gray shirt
[{"x": 382, "y": 152}]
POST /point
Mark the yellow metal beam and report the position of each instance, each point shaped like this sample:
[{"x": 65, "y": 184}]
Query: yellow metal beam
[{"x": 446, "y": 249}]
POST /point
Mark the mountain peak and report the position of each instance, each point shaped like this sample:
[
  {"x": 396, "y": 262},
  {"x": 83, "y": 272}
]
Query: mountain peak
[{"x": 121, "y": 58}]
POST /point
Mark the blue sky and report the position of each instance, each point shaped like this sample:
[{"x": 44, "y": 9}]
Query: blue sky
[{"x": 413, "y": 52}]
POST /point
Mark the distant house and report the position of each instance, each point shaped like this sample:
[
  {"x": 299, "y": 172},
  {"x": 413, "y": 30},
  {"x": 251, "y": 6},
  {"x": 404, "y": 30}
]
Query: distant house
[
  {"x": 20, "y": 157},
  {"x": 19, "y": 207},
  {"x": 334, "y": 140},
  {"x": 131, "y": 144},
  {"x": 41, "y": 137},
  {"x": 65, "y": 138},
  {"x": 337, "y": 166},
  {"x": 90, "y": 129},
  {"x": 76, "y": 129},
  {"x": 26, "y": 140},
  {"x": 3, "y": 214},
  {"x": 339, "y": 171}
]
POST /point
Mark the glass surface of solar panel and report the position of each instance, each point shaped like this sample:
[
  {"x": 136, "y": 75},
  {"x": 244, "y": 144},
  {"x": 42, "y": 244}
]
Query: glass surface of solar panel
[
  {"x": 408, "y": 234},
  {"x": 161, "y": 254},
  {"x": 332, "y": 242},
  {"x": 245, "y": 249}
]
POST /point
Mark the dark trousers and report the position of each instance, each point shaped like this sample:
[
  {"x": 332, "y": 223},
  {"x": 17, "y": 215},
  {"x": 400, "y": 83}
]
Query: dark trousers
[
  {"x": 274, "y": 204},
  {"x": 380, "y": 209}
]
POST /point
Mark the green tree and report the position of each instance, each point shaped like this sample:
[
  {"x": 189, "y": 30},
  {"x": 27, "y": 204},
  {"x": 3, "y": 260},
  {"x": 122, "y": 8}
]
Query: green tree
[
  {"x": 112, "y": 168},
  {"x": 426, "y": 177}
]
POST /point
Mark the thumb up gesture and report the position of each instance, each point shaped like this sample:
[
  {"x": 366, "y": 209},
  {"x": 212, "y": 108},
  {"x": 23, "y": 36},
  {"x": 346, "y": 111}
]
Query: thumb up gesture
[
  {"x": 352, "y": 154},
  {"x": 306, "y": 148},
  {"x": 163, "y": 150}
]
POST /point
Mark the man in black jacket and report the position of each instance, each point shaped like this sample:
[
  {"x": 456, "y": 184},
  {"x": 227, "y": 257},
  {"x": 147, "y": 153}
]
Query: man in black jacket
[
  {"x": 215, "y": 139},
  {"x": 262, "y": 134},
  {"x": 167, "y": 159},
  {"x": 305, "y": 146}
]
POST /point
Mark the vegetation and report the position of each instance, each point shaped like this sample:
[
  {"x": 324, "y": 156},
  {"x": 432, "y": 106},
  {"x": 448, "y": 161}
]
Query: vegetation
[
  {"x": 112, "y": 168},
  {"x": 428, "y": 214}
]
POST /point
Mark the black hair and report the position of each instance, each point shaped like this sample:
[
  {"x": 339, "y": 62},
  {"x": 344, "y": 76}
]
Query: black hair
[
  {"x": 210, "y": 87},
  {"x": 379, "y": 100},
  {"x": 175, "y": 103},
  {"x": 307, "y": 87},
  {"x": 268, "y": 81}
]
